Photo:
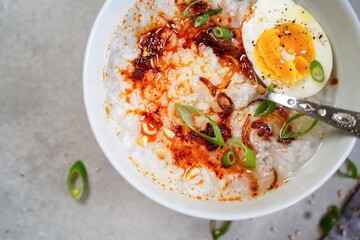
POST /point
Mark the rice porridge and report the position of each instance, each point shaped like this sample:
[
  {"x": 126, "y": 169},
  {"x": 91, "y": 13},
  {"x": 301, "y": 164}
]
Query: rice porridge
[{"x": 159, "y": 56}]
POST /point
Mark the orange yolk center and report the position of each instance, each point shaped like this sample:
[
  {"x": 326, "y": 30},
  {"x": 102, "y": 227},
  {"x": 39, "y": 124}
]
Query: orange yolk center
[{"x": 284, "y": 53}]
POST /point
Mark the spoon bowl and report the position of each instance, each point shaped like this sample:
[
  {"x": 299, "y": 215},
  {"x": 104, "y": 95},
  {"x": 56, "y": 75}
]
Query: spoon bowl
[{"x": 345, "y": 120}]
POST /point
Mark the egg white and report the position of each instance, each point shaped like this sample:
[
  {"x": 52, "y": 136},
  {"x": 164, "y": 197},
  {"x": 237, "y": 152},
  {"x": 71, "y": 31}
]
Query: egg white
[{"x": 267, "y": 14}]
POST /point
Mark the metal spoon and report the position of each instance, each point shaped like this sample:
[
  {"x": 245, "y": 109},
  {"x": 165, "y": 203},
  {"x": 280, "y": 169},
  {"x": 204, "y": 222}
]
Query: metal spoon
[{"x": 348, "y": 121}]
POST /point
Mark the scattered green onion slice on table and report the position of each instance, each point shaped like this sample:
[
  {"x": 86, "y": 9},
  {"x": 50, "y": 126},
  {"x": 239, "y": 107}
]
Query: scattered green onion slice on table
[
  {"x": 221, "y": 32},
  {"x": 77, "y": 171},
  {"x": 286, "y": 133},
  {"x": 317, "y": 71},
  {"x": 229, "y": 158},
  {"x": 351, "y": 172},
  {"x": 186, "y": 111},
  {"x": 186, "y": 12},
  {"x": 200, "y": 20},
  {"x": 329, "y": 219},
  {"x": 217, "y": 233}
]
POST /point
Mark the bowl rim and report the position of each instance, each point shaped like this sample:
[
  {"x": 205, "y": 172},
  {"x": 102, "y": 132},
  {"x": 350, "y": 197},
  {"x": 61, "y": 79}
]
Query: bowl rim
[{"x": 154, "y": 194}]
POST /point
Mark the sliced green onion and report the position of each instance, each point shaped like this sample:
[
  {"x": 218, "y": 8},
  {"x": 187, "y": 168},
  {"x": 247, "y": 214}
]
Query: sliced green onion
[
  {"x": 270, "y": 87},
  {"x": 201, "y": 20},
  {"x": 265, "y": 108},
  {"x": 317, "y": 71},
  {"x": 228, "y": 159},
  {"x": 77, "y": 171},
  {"x": 186, "y": 12},
  {"x": 217, "y": 233},
  {"x": 351, "y": 172},
  {"x": 213, "y": 12},
  {"x": 221, "y": 32},
  {"x": 329, "y": 219},
  {"x": 285, "y": 133},
  {"x": 185, "y": 112},
  {"x": 250, "y": 158}
]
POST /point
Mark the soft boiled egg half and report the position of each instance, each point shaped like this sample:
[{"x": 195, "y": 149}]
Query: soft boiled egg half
[{"x": 287, "y": 47}]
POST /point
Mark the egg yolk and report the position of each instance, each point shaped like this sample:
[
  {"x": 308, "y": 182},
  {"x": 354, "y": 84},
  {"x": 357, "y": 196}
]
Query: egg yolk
[{"x": 285, "y": 52}]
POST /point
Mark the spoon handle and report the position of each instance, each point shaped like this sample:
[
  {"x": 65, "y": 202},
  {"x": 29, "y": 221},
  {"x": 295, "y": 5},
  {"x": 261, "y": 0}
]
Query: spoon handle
[{"x": 345, "y": 120}]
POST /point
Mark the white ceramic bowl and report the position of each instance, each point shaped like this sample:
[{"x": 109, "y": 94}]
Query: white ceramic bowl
[{"x": 342, "y": 27}]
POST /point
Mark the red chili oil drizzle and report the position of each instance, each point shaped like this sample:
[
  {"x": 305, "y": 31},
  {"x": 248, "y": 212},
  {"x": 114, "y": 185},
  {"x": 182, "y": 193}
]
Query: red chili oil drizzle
[
  {"x": 153, "y": 120},
  {"x": 188, "y": 149},
  {"x": 152, "y": 45}
]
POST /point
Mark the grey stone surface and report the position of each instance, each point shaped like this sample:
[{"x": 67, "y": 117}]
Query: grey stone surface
[
  {"x": 44, "y": 129},
  {"x": 348, "y": 226}
]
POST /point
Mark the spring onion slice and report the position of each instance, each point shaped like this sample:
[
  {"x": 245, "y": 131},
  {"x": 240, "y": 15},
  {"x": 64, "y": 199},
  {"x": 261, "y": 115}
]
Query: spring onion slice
[
  {"x": 250, "y": 158},
  {"x": 214, "y": 11},
  {"x": 285, "y": 133},
  {"x": 217, "y": 233},
  {"x": 186, "y": 12},
  {"x": 317, "y": 71},
  {"x": 221, "y": 32},
  {"x": 201, "y": 20},
  {"x": 266, "y": 107},
  {"x": 77, "y": 170},
  {"x": 185, "y": 112},
  {"x": 228, "y": 159},
  {"x": 329, "y": 219},
  {"x": 270, "y": 87},
  {"x": 351, "y": 172}
]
